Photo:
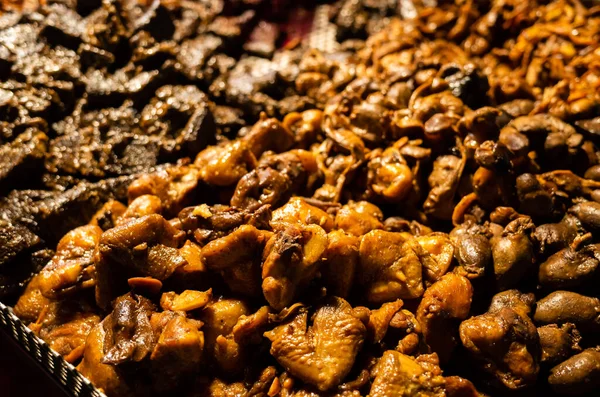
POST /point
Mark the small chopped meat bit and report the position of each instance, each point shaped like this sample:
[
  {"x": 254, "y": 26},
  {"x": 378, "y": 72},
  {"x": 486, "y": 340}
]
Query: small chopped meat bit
[
  {"x": 513, "y": 253},
  {"x": 390, "y": 267},
  {"x": 507, "y": 343},
  {"x": 340, "y": 263},
  {"x": 558, "y": 342},
  {"x": 460, "y": 387},
  {"x": 175, "y": 186},
  {"x": 207, "y": 223},
  {"x": 145, "y": 246},
  {"x": 135, "y": 333},
  {"x": 569, "y": 307},
  {"x": 231, "y": 330},
  {"x": 72, "y": 267},
  {"x": 321, "y": 354},
  {"x": 577, "y": 375},
  {"x": 397, "y": 374},
  {"x": 290, "y": 260},
  {"x": 298, "y": 210},
  {"x": 358, "y": 218},
  {"x": 237, "y": 257},
  {"x": 444, "y": 305},
  {"x": 225, "y": 165},
  {"x": 275, "y": 179}
]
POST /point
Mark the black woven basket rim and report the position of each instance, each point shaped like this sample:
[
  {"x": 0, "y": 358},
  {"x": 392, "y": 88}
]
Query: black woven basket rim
[{"x": 62, "y": 372}]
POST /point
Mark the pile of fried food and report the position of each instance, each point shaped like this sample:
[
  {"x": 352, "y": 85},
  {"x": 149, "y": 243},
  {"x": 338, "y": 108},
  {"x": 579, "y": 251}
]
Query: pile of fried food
[{"x": 416, "y": 213}]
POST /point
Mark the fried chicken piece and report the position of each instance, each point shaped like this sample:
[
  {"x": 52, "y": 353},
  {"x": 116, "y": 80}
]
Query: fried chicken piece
[
  {"x": 187, "y": 301},
  {"x": 146, "y": 204},
  {"x": 268, "y": 134},
  {"x": 297, "y": 210},
  {"x": 571, "y": 267},
  {"x": 397, "y": 374},
  {"x": 443, "y": 182},
  {"x": 444, "y": 305},
  {"x": 178, "y": 353},
  {"x": 72, "y": 267},
  {"x": 208, "y": 223},
  {"x": 390, "y": 268},
  {"x": 521, "y": 303},
  {"x": 65, "y": 324},
  {"x": 340, "y": 263},
  {"x": 130, "y": 336},
  {"x": 379, "y": 320},
  {"x": 108, "y": 215},
  {"x": 359, "y": 218},
  {"x": 291, "y": 259},
  {"x": 225, "y": 165},
  {"x": 32, "y": 302},
  {"x": 174, "y": 185},
  {"x": 473, "y": 250},
  {"x": 506, "y": 342},
  {"x": 167, "y": 345},
  {"x": 392, "y": 178},
  {"x": 324, "y": 353},
  {"x": 441, "y": 250},
  {"x": 275, "y": 179},
  {"x": 112, "y": 380},
  {"x": 460, "y": 387},
  {"x": 220, "y": 318},
  {"x": 237, "y": 257},
  {"x": 145, "y": 246}
]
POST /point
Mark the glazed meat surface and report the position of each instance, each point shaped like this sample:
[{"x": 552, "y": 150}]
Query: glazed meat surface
[{"x": 277, "y": 198}]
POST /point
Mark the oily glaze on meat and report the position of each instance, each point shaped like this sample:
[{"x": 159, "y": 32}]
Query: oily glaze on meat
[{"x": 410, "y": 210}]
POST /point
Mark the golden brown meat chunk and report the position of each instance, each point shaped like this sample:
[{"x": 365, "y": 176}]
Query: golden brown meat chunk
[
  {"x": 391, "y": 177},
  {"x": 444, "y": 305},
  {"x": 324, "y": 353},
  {"x": 460, "y": 387},
  {"x": 397, "y": 374},
  {"x": 225, "y": 165},
  {"x": 558, "y": 342},
  {"x": 275, "y": 179},
  {"x": 268, "y": 135},
  {"x": 174, "y": 185},
  {"x": 513, "y": 253},
  {"x": 443, "y": 183},
  {"x": 441, "y": 251},
  {"x": 290, "y": 260},
  {"x": 229, "y": 326},
  {"x": 145, "y": 246},
  {"x": 577, "y": 375},
  {"x": 108, "y": 215},
  {"x": 507, "y": 344},
  {"x": 64, "y": 325},
  {"x": 237, "y": 257},
  {"x": 561, "y": 307},
  {"x": 359, "y": 217},
  {"x": 178, "y": 352},
  {"x": 379, "y": 320},
  {"x": 32, "y": 302},
  {"x": 390, "y": 268},
  {"x": 168, "y": 345},
  {"x": 297, "y": 210},
  {"x": 207, "y": 223},
  {"x": 145, "y": 204},
  {"x": 340, "y": 263},
  {"x": 72, "y": 267}
]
